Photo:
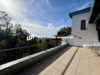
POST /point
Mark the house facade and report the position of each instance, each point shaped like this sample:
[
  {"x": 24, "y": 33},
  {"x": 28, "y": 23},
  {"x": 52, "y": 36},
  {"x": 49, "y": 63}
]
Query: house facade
[{"x": 84, "y": 29}]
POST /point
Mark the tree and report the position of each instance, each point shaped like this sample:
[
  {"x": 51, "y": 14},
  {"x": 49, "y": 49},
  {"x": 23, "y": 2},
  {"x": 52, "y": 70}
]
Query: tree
[
  {"x": 5, "y": 20},
  {"x": 11, "y": 39},
  {"x": 21, "y": 34},
  {"x": 3, "y": 44},
  {"x": 64, "y": 31}
]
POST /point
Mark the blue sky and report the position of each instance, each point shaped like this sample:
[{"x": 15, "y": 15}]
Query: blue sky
[{"x": 43, "y": 18}]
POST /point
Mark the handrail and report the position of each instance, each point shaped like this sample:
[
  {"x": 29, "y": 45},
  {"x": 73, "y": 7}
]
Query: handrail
[
  {"x": 11, "y": 54},
  {"x": 11, "y": 49},
  {"x": 21, "y": 63}
]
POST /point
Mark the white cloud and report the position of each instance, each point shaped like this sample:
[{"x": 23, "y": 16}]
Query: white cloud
[
  {"x": 48, "y": 2},
  {"x": 20, "y": 13},
  {"x": 84, "y": 6},
  {"x": 40, "y": 30}
]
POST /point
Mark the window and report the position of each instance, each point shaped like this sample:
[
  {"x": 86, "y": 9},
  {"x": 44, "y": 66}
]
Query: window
[{"x": 83, "y": 25}]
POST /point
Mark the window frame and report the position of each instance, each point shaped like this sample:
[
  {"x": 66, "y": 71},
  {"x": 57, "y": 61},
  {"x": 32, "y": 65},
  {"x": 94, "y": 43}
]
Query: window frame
[{"x": 83, "y": 25}]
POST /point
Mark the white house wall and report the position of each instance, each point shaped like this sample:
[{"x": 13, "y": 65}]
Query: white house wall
[{"x": 88, "y": 36}]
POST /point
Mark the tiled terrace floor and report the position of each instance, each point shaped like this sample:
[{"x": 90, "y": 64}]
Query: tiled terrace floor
[{"x": 70, "y": 61}]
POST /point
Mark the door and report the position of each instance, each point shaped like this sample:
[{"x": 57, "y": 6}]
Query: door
[{"x": 98, "y": 35}]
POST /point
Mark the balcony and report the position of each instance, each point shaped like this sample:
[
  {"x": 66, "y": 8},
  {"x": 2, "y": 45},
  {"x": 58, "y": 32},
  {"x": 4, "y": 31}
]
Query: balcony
[{"x": 60, "y": 60}]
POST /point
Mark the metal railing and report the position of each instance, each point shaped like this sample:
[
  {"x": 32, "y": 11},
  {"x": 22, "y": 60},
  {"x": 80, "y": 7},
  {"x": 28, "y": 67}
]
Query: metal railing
[
  {"x": 7, "y": 55},
  {"x": 12, "y": 49},
  {"x": 11, "y": 54},
  {"x": 19, "y": 64}
]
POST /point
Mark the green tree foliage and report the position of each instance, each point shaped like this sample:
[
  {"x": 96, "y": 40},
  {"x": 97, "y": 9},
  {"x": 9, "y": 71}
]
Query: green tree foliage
[
  {"x": 64, "y": 31},
  {"x": 11, "y": 39},
  {"x": 21, "y": 34},
  {"x": 3, "y": 44},
  {"x": 2, "y": 34}
]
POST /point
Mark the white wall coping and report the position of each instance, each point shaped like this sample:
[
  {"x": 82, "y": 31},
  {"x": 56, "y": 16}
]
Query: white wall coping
[{"x": 25, "y": 59}]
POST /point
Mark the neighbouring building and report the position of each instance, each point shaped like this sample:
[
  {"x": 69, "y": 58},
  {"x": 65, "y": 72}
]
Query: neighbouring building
[{"x": 86, "y": 25}]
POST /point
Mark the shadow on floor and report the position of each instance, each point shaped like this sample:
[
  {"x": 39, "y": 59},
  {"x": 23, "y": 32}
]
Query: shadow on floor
[
  {"x": 35, "y": 69},
  {"x": 63, "y": 73}
]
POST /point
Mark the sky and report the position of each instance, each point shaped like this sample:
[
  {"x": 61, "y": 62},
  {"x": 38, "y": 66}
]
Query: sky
[{"x": 42, "y": 18}]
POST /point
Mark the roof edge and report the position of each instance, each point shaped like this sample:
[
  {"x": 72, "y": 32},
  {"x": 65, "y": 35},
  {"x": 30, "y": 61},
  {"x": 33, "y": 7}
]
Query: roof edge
[{"x": 79, "y": 11}]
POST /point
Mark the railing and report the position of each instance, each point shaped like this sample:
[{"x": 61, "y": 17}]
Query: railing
[
  {"x": 21, "y": 63},
  {"x": 7, "y": 55}
]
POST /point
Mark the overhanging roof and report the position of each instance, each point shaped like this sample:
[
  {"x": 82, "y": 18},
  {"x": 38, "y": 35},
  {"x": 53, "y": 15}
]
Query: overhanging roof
[
  {"x": 79, "y": 12},
  {"x": 94, "y": 11}
]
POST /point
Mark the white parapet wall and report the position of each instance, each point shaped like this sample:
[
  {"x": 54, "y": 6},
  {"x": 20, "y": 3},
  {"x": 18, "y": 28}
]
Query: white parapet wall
[
  {"x": 21, "y": 63},
  {"x": 64, "y": 41}
]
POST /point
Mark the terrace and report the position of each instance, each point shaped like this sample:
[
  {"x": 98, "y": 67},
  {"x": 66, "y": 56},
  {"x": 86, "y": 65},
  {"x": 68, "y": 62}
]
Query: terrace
[{"x": 60, "y": 60}]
